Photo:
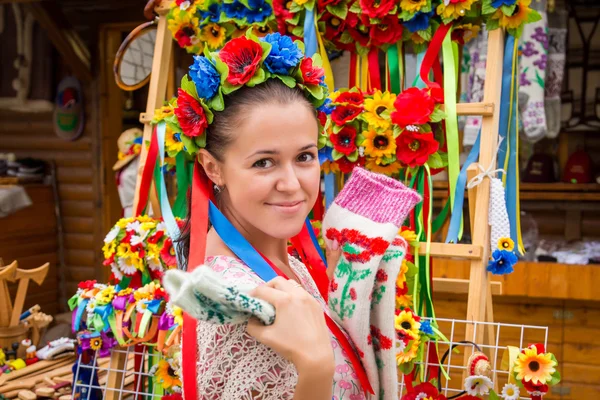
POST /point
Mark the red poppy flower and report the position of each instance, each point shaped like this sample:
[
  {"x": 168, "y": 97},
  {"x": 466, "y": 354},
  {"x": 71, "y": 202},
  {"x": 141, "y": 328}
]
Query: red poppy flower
[
  {"x": 414, "y": 148},
  {"x": 350, "y": 98},
  {"x": 413, "y": 107},
  {"x": 333, "y": 26},
  {"x": 426, "y": 388},
  {"x": 174, "y": 396},
  {"x": 346, "y": 166},
  {"x": 359, "y": 29},
  {"x": 168, "y": 253},
  {"x": 377, "y": 8},
  {"x": 156, "y": 237},
  {"x": 324, "y": 3},
  {"x": 161, "y": 294},
  {"x": 190, "y": 115},
  {"x": 282, "y": 14},
  {"x": 183, "y": 37},
  {"x": 156, "y": 275},
  {"x": 242, "y": 56},
  {"x": 436, "y": 92},
  {"x": 87, "y": 285},
  {"x": 310, "y": 74},
  {"x": 345, "y": 140},
  {"x": 388, "y": 30},
  {"x": 322, "y": 118},
  {"x": 342, "y": 114}
]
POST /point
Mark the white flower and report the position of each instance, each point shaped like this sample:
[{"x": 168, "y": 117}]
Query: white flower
[
  {"x": 153, "y": 263},
  {"x": 361, "y": 151},
  {"x": 421, "y": 396},
  {"x": 125, "y": 267},
  {"x": 112, "y": 235},
  {"x": 161, "y": 226},
  {"x": 141, "y": 306},
  {"x": 138, "y": 239},
  {"x": 134, "y": 226},
  {"x": 116, "y": 272},
  {"x": 184, "y": 6},
  {"x": 412, "y": 128},
  {"x": 400, "y": 346},
  {"x": 478, "y": 385},
  {"x": 91, "y": 306},
  {"x": 510, "y": 392}
]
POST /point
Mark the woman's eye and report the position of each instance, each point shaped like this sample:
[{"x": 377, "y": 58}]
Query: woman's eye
[
  {"x": 306, "y": 157},
  {"x": 264, "y": 163}
]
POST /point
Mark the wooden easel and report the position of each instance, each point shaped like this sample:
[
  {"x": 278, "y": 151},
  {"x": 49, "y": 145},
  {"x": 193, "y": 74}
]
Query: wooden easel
[{"x": 479, "y": 287}]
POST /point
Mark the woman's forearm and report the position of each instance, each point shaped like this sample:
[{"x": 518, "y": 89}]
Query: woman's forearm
[{"x": 314, "y": 384}]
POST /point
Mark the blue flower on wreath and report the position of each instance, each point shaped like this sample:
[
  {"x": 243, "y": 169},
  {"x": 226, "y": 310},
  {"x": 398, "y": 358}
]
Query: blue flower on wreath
[
  {"x": 426, "y": 327},
  {"x": 500, "y": 3},
  {"x": 325, "y": 154},
  {"x": 259, "y": 11},
  {"x": 326, "y": 107},
  {"x": 284, "y": 54},
  {"x": 235, "y": 10},
  {"x": 502, "y": 262},
  {"x": 213, "y": 13},
  {"x": 418, "y": 22},
  {"x": 205, "y": 77}
]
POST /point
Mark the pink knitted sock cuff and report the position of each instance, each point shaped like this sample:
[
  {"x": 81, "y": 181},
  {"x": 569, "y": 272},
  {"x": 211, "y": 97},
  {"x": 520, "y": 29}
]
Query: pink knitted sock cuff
[{"x": 377, "y": 197}]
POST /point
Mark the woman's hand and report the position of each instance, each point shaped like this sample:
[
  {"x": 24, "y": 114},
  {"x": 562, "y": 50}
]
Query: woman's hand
[
  {"x": 299, "y": 332},
  {"x": 333, "y": 255}
]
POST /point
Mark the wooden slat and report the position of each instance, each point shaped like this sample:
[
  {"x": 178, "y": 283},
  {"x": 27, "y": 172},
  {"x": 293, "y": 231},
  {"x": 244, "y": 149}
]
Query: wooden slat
[
  {"x": 74, "y": 175},
  {"x": 79, "y": 241},
  {"x": 446, "y": 250},
  {"x": 80, "y": 257},
  {"x": 450, "y": 285},
  {"x": 79, "y": 273},
  {"x": 77, "y": 208},
  {"x": 482, "y": 109},
  {"x": 23, "y": 142},
  {"x": 78, "y": 224},
  {"x": 75, "y": 192}
]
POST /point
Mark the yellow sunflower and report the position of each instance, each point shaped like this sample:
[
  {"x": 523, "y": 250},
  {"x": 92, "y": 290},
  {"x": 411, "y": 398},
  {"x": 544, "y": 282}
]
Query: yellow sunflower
[
  {"x": 412, "y": 5},
  {"x": 172, "y": 142},
  {"x": 454, "y": 10},
  {"x": 402, "y": 274},
  {"x": 165, "y": 375},
  {"x": 408, "y": 354},
  {"x": 95, "y": 343},
  {"x": 389, "y": 169},
  {"x": 405, "y": 320},
  {"x": 534, "y": 367},
  {"x": 416, "y": 38},
  {"x": 379, "y": 144},
  {"x": 409, "y": 236},
  {"x": 330, "y": 167},
  {"x": 214, "y": 35},
  {"x": 185, "y": 29},
  {"x": 122, "y": 223},
  {"x": 518, "y": 18},
  {"x": 469, "y": 31},
  {"x": 378, "y": 109},
  {"x": 506, "y": 244},
  {"x": 106, "y": 295},
  {"x": 404, "y": 301},
  {"x": 301, "y": 2},
  {"x": 162, "y": 113}
]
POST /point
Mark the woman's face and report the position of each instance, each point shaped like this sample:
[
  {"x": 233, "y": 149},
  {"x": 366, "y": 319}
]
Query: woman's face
[{"x": 271, "y": 170}]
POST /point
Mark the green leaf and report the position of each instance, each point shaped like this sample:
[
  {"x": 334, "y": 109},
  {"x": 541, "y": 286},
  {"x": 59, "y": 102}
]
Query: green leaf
[
  {"x": 340, "y": 11},
  {"x": 258, "y": 78},
  {"x": 298, "y": 31},
  {"x": 174, "y": 127},
  {"x": 555, "y": 378},
  {"x": 201, "y": 141},
  {"x": 346, "y": 38},
  {"x": 288, "y": 80},
  {"x": 437, "y": 115},
  {"x": 435, "y": 161},
  {"x": 222, "y": 69},
  {"x": 217, "y": 103},
  {"x": 227, "y": 88},
  {"x": 300, "y": 45},
  {"x": 209, "y": 114},
  {"x": 493, "y": 395},
  {"x": 294, "y": 20},
  {"x": 533, "y": 16},
  {"x": 486, "y": 7},
  {"x": 317, "y": 60},
  {"x": 336, "y": 154},
  {"x": 189, "y": 87},
  {"x": 296, "y": 8},
  {"x": 356, "y": 8},
  {"x": 406, "y": 15},
  {"x": 190, "y": 145},
  {"x": 353, "y": 158},
  {"x": 337, "y": 128},
  {"x": 316, "y": 91},
  {"x": 406, "y": 368},
  {"x": 397, "y": 131},
  {"x": 361, "y": 50},
  {"x": 492, "y": 24},
  {"x": 509, "y": 10},
  {"x": 516, "y": 32},
  {"x": 266, "y": 48},
  {"x": 426, "y": 34}
]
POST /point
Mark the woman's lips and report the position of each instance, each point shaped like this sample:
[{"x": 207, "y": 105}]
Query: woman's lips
[{"x": 288, "y": 207}]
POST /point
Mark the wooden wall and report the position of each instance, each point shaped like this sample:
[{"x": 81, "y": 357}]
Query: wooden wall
[{"x": 32, "y": 135}]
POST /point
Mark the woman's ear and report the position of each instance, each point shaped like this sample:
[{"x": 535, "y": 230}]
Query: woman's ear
[{"x": 211, "y": 166}]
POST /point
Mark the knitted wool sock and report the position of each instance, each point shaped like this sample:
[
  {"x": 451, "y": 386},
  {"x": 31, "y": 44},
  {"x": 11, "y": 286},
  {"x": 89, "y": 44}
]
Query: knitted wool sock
[
  {"x": 364, "y": 219},
  {"x": 557, "y": 39},
  {"x": 383, "y": 304},
  {"x": 532, "y": 77},
  {"x": 206, "y": 296}
]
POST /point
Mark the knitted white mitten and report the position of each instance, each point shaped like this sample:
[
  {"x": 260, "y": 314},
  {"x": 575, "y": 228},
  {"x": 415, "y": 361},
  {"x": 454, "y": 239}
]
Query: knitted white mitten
[
  {"x": 364, "y": 219},
  {"x": 206, "y": 296}
]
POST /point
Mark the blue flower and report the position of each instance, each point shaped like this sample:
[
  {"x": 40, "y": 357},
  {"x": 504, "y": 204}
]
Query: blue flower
[
  {"x": 326, "y": 107},
  {"x": 426, "y": 327},
  {"x": 259, "y": 11},
  {"x": 213, "y": 13},
  {"x": 205, "y": 76},
  {"x": 418, "y": 22},
  {"x": 235, "y": 10},
  {"x": 325, "y": 154},
  {"x": 284, "y": 54},
  {"x": 502, "y": 262},
  {"x": 500, "y": 3}
]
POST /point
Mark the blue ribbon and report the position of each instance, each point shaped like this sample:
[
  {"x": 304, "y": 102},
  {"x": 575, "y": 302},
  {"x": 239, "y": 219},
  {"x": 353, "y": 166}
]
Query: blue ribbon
[
  {"x": 329, "y": 189},
  {"x": 310, "y": 33},
  {"x": 104, "y": 311},
  {"x": 418, "y": 82},
  {"x": 315, "y": 241},
  {"x": 459, "y": 194},
  {"x": 80, "y": 309},
  {"x": 165, "y": 206}
]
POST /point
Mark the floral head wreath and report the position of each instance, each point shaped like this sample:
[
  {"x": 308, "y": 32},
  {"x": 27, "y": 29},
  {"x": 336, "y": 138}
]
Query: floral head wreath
[{"x": 244, "y": 61}]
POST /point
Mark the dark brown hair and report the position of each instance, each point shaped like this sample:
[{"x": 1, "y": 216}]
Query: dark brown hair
[{"x": 221, "y": 132}]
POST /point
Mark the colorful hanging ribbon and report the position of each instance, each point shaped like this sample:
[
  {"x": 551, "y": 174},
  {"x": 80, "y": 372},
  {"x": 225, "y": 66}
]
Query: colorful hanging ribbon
[
  {"x": 147, "y": 172},
  {"x": 394, "y": 58}
]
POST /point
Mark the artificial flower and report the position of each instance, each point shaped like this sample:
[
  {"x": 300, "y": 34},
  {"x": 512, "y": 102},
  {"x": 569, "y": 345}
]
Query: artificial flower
[
  {"x": 413, "y": 148},
  {"x": 402, "y": 274},
  {"x": 413, "y": 107},
  {"x": 259, "y": 11},
  {"x": 506, "y": 244},
  {"x": 213, "y": 35},
  {"x": 330, "y": 167},
  {"x": 410, "y": 236},
  {"x": 125, "y": 292},
  {"x": 387, "y": 31},
  {"x": 212, "y": 14},
  {"x": 344, "y": 141},
  {"x": 423, "y": 391},
  {"x": 165, "y": 375},
  {"x": 403, "y": 300},
  {"x": 534, "y": 367},
  {"x": 343, "y": 114},
  {"x": 502, "y": 262},
  {"x": 311, "y": 75},
  {"x": 86, "y": 285},
  {"x": 106, "y": 295},
  {"x": 406, "y": 320},
  {"x": 407, "y": 356},
  {"x": 379, "y": 144},
  {"x": 412, "y": 6},
  {"x": 359, "y": 29},
  {"x": 178, "y": 315},
  {"x": 477, "y": 385},
  {"x": 454, "y": 9},
  {"x": 464, "y": 33},
  {"x": 348, "y": 98},
  {"x": 284, "y": 54},
  {"x": 163, "y": 112},
  {"x": 109, "y": 249},
  {"x": 235, "y": 9},
  {"x": 377, "y": 8},
  {"x": 500, "y": 3},
  {"x": 510, "y": 392},
  {"x": 346, "y": 166},
  {"x": 168, "y": 253},
  {"x": 190, "y": 115},
  {"x": 520, "y": 15},
  {"x": 173, "y": 143},
  {"x": 334, "y": 26},
  {"x": 378, "y": 109},
  {"x": 205, "y": 77},
  {"x": 426, "y": 327},
  {"x": 184, "y": 27},
  {"x": 95, "y": 343},
  {"x": 418, "y": 22},
  {"x": 112, "y": 235},
  {"x": 386, "y": 169},
  {"x": 242, "y": 56}
]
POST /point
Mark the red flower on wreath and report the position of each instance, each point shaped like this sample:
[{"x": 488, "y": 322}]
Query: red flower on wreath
[
  {"x": 183, "y": 36},
  {"x": 350, "y": 98},
  {"x": 156, "y": 237},
  {"x": 282, "y": 14},
  {"x": 388, "y": 31},
  {"x": 174, "y": 396},
  {"x": 346, "y": 166},
  {"x": 414, "y": 148},
  {"x": 86, "y": 285},
  {"x": 413, "y": 107},
  {"x": 436, "y": 92},
  {"x": 345, "y": 140},
  {"x": 424, "y": 390},
  {"x": 242, "y": 56},
  {"x": 334, "y": 26},
  {"x": 311, "y": 75},
  {"x": 342, "y": 114},
  {"x": 321, "y": 4},
  {"x": 190, "y": 114},
  {"x": 377, "y": 8},
  {"x": 168, "y": 253},
  {"x": 322, "y": 117},
  {"x": 531, "y": 387},
  {"x": 359, "y": 29}
]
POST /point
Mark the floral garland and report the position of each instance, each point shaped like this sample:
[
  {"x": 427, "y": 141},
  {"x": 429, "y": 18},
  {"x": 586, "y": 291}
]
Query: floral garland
[
  {"x": 504, "y": 258},
  {"x": 383, "y": 132},
  {"x": 535, "y": 370},
  {"x": 217, "y": 74},
  {"x": 139, "y": 249},
  {"x": 167, "y": 372}
]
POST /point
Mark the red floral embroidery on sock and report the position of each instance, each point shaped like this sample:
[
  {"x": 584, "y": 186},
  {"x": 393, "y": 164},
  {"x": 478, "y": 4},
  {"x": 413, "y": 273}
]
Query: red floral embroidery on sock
[
  {"x": 333, "y": 285},
  {"x": 381, "y": 341},
  {"x": 381, "y": 276},
  {"x": 352, "y": 293},
  {"x": 371, "y": 246}
]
